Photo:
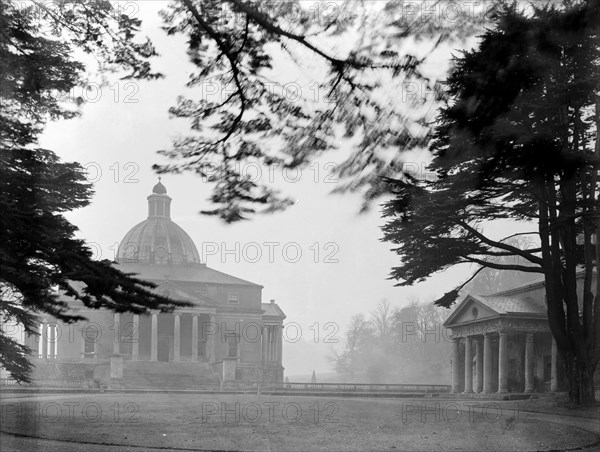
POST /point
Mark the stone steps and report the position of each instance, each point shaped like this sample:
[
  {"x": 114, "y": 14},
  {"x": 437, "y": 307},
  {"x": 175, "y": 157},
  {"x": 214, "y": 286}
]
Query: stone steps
[{"x": 165, "y": 375}]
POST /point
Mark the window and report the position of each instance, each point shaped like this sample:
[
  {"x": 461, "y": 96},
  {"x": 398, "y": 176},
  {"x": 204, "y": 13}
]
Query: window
[
  {"x": 89, "y": 347},
  {"x": 91, "y": 335},
  {"x": 232, "y": 350},
  {"x": 233, "y": 298}
]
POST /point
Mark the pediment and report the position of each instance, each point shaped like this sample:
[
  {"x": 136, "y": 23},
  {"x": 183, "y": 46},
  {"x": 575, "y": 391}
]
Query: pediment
[
  {"x": 470, "y": 310},
  {"x": 170, "y": 289}
]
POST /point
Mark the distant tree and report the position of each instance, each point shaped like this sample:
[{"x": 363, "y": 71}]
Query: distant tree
[
  {"x": 41, "y": 261},
  {"x": 518, "y": 141},
  {"x": 409, "y": 349},
  {"x": 382, "y": 318},
  {"x": 422, "y": 345},
  {"x": 491, "y": 280},
  {"x": 349, "y": 361}
]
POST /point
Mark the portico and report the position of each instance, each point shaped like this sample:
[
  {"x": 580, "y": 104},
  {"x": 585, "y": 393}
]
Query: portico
[
  {"x": 501, "y": 345},
  {"x": 185, "y": 335}
]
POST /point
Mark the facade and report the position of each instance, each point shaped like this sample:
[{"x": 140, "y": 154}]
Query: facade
[
  {"x": 227, "y": 336},
  {"x": 502, "y": 343}
]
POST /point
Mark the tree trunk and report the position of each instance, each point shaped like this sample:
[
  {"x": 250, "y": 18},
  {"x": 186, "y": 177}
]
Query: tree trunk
[{"x": 580, "y": 376}]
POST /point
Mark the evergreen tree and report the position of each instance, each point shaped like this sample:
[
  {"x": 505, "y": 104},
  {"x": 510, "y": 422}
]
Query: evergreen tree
[
  {"x": 42, "y": 264},
  {"x": 518, "y": 141}
]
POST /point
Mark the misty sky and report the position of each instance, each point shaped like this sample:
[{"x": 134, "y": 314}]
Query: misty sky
[{"x": 125, "y": 126}]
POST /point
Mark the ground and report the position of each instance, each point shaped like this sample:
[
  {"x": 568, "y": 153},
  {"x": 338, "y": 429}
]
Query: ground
[{"x": 125, "y": 421}]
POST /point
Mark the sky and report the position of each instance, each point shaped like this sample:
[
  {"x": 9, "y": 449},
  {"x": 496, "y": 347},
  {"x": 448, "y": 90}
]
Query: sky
[{"x": 343, "y": 266}]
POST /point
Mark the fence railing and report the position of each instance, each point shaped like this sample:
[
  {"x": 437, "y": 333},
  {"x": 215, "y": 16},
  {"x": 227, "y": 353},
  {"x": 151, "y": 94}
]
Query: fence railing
[
  {"x": 51, "y": 383},
  {"x": 347, "y": 387},
  {"x": 254, "y": 386}
]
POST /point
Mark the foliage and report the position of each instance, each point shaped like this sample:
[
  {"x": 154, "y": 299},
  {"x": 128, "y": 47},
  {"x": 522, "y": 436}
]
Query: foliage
[
  {"x": 517, "y": 141},
  {"x": 44, "y": 269},
  {"x": 395, "y": 346},
  {"x": 356, "y": 54}
]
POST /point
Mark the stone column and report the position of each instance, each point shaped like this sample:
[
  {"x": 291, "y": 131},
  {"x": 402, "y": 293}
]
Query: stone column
[
  {"x": 529, "y": 387},
  {"x": 177, "y": 339},
  {"x": 503, "y": 364},
  {"x": 455, "y": 365},
  {"x": 154, "y": 339},
  {"x": 279, "y": 337},
  {"x": 44, "y": 340},
  {"x": 554, "y": 368},
  {"x": 194, "y": 337},
  {"x": 52, "y": 341},
  {"x": 468, "y": 365},
  {"x": 271, "y": 343},
  {"x": 210, "y": 339},
  {"x": 135, "y": 345},
  {"x": 479, "y": 361},
  {"x": 487, "y": 365},
  {"x": 117, "y": 329},
  {"x": 265, "y": 342}
]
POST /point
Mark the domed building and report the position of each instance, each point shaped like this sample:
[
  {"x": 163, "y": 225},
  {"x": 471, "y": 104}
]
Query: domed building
[
  {"x": 157, "y": 239},
  {"x": 227, "y": 335}
]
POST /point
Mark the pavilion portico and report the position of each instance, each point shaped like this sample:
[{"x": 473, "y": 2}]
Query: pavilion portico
[
  {"x": 181, "y": 336},
  {"x": 502, "y": 345}
]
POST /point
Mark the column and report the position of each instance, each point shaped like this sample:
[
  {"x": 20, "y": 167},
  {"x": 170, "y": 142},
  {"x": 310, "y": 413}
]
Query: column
[
  {"x": 194, "y": 337},
  {"x": 271, "y": 344},
  {"x": 487, "y": 363},
  {"x": 44, "y": 340},
  {"x": 554, "y": 368},
  {"x": 455, "y": 365},
  {"x": 503, "y": 364},
  {"x": 468, "y": 365},
  {"x": 135, "y": 345},
  {"x": 529, "y": 363},
  {"x": 479, "y": 362},
  {"x": 279, "y": 344},
  {"x": 210, "y": 339},
  {"x": 52, "y": 341},
  {"x": 177, "y": 339},
  {"x": 117, "y": 330},
  {"x": 275, "y": 350},
  {"x": 265, "y": 339},
  {"x": 154, "y": 339}
]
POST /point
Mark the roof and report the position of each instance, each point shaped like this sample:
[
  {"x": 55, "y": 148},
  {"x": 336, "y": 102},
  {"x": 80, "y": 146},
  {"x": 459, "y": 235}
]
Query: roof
[
  {"x": 494, "y": 306},
  {"x": 159, "y": 188},
  {"x": 272, "y": 310},
  {"x": 178, "y": 292},
  {"x": 535, "y": 285},
  {"x": 507, "y": 305},
  {"x": 157, "y": 239},
  {"x": 198, "y": 273}
]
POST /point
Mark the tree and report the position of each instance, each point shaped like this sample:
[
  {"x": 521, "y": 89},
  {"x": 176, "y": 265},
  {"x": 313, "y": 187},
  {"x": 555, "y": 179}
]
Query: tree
[
  {"x": 492, "y": 280},
  {"x": 350, "y": 360},
  {"x": 237, "y": 44},
  {"x": 409, "y": 348},
  {"x": 41, "y": 261},
  {"x": 518, "y": 141}
]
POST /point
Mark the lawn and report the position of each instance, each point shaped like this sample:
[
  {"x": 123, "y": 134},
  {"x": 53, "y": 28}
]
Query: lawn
[{"x": 236, "y": 422}]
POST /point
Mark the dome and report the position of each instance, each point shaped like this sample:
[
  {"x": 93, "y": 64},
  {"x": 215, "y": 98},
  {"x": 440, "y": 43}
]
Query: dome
[
  {"x": 158, "y": 240},
  {"x": 159, "y": 189}
]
